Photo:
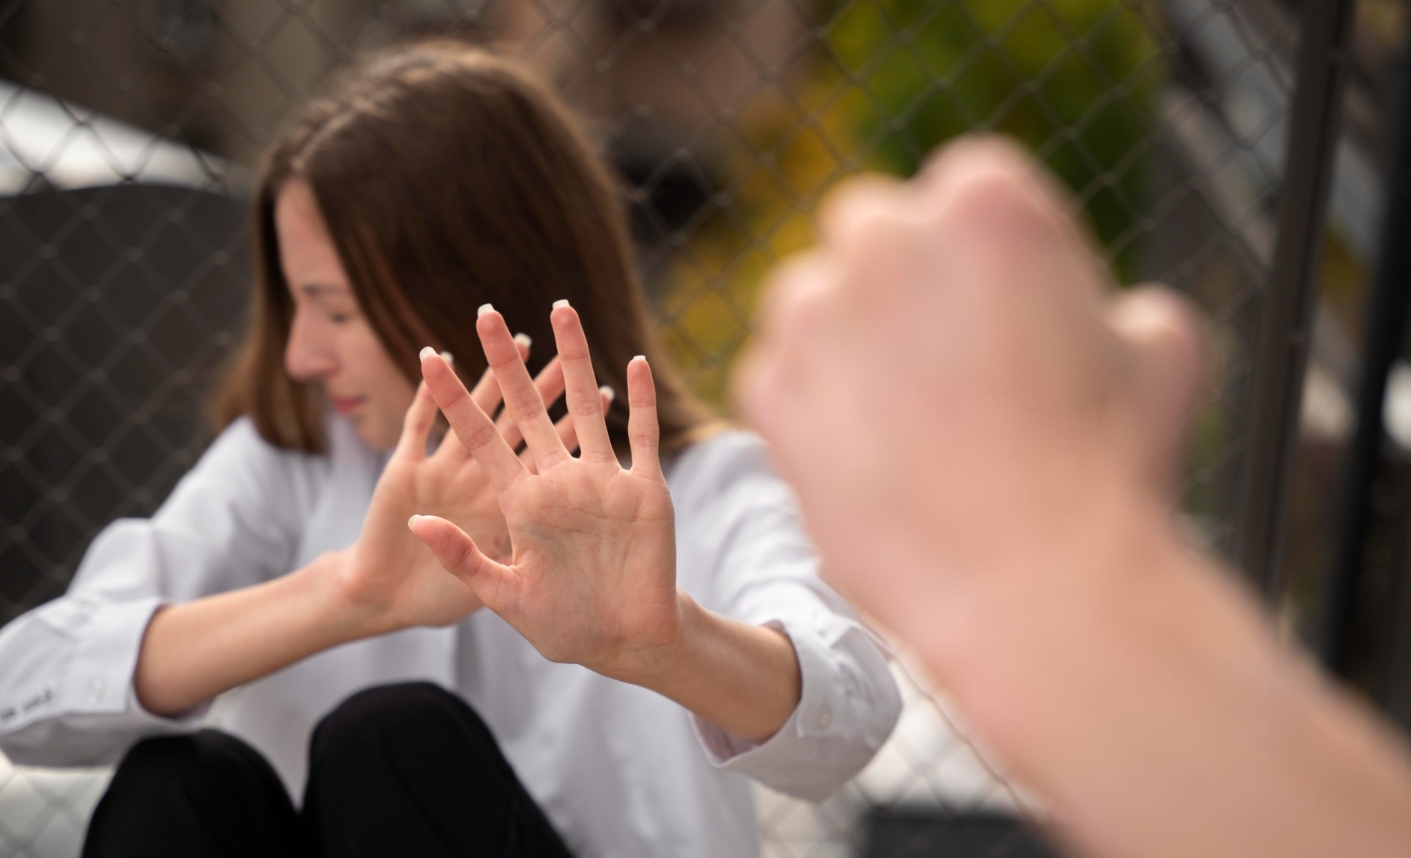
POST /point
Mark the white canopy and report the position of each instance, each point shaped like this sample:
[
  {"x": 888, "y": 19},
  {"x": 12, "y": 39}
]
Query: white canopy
[{"x": 69, "y": 146}]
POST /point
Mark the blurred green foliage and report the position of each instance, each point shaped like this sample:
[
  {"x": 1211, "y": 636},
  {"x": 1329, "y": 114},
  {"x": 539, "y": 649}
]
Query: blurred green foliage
[{"x": 1075, "y": 80}]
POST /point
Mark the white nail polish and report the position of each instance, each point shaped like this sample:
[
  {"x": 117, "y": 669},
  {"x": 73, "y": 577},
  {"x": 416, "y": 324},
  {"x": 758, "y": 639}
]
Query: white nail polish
[
  {"x": 608, "y": 392},
  {"x": 524, "y": 340},
  {"x": 562, "y": 302},
  {"x": 446, "y": 356},
  {"x": 485, "y": 308},
  {"x": 426, "y": 353},
  {"x": 640, "y": 358}
]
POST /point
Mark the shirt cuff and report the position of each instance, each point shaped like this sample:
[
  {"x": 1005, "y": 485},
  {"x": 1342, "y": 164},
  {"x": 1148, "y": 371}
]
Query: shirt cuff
[
  {"x": 822, "y": 745},
  {"x": 99, "y": 679}
]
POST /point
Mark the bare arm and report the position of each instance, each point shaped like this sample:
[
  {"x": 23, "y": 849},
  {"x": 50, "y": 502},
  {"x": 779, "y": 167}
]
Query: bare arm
[
  {"x": 194, "y": 651},
  {"x": 386, "y": 581},
  {"x": 1149, "y": 698},
  {"x": 741, "y": 678},
  {"x": 593, "y": 577},
  {"x": 1003, "y": 502}
]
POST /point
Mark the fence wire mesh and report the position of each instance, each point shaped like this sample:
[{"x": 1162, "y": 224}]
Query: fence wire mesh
[{"x": 129, "y": 130}]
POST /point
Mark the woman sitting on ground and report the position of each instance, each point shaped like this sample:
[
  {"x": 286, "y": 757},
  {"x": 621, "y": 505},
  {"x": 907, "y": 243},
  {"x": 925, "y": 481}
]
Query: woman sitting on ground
[{"x": 626, "y": 682}]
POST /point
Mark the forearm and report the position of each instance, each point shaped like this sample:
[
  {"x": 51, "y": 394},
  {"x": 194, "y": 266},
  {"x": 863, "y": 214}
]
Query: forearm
[
  {"x": 1153, "y": 704},
  {"x": 743, "y": 679},
  {"x": 191, "y": 652}
]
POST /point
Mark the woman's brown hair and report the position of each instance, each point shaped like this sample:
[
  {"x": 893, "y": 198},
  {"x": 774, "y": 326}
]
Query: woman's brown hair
[{"x": 449, "y": 178}]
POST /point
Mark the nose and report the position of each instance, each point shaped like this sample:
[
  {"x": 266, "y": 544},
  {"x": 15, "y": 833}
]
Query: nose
[{"x": 308, "y": 355}]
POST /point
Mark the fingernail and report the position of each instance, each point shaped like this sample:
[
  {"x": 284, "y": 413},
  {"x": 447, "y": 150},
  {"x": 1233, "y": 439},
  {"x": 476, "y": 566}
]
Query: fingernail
[
  {"x": 426, "y": 353},
  {"x": 608, "y": 392},
  {"x": 411, "y": 521},
  {"x": 524, "y": 340},
  {"x": 485, "y": 308},
  {"x": 446, "y": 356},
  {"x": 562, "y": 302},
  {"x": 640, "y": 357}
]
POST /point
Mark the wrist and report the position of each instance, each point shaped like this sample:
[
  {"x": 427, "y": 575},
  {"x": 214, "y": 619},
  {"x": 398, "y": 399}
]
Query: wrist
[
  {"x": 742, "y": 678},
  {"x": 342, "y": 606},
  {"x": 652, "y": 664},
  {"x": 1096, "y": 577},
  {"x": 1136, "y": 621},
  {"x": 1145, "y": 656}
]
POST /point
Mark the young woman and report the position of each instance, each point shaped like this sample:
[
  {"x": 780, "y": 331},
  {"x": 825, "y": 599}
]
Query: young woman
[{"x": 655, "y": 635}]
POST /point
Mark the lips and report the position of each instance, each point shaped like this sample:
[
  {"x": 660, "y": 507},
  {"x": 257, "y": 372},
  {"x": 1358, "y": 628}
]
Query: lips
[{"x": 346, "y": 404}]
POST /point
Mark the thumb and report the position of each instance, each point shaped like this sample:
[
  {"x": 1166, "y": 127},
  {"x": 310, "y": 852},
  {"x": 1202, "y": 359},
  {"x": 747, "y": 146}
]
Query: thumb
[
  {"x": 459, "y": 555},
  {"x": 1162, "y": 330}
]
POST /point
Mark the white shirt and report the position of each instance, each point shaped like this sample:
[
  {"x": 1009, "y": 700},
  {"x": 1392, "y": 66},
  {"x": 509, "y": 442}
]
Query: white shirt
[{"x": 620, "y": 770}]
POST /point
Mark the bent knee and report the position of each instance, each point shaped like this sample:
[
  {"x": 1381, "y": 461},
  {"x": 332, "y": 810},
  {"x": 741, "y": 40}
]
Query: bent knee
[
  {"x": 400, "y": 709},
  {"x": 164, "y": 772},
  {"x": 189, "y": 756},
  {"x": 414, "y": 724}
]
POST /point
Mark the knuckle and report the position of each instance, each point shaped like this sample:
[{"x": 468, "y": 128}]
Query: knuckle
[
  {"x": 464, "y": 555},
  {"x": 476, "y": 435},
  {"x": 996, "y": 196},
  {"x": 451, "y": 395},
  {"x": 586, "y": 405},
  {"x": 523, "y": 412}
]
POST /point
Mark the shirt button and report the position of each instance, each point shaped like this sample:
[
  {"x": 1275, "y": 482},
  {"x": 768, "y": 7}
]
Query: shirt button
[
  {"x": 824, "y": 718},
  {"x": 95, "y": 690}
]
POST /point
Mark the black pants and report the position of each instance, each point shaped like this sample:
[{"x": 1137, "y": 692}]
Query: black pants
[{"x": 396, "y": 770}]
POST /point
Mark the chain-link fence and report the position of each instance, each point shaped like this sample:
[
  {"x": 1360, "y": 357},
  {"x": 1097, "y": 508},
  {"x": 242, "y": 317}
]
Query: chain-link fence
[{"x": 129, "y": 129}]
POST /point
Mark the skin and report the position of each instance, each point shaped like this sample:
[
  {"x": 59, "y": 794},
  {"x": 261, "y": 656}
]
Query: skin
[
  {"x": 331, "y": 342},
  {"x": 386, "y": 580},
  {"x": 1001, "y": 499},
  {"x": 592, "y": 580},
  {"x": 634, "y": 626}
]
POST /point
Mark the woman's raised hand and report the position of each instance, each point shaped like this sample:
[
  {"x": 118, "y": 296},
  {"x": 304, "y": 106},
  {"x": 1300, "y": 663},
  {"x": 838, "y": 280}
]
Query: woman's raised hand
[
  {"x": 592, "y": 579},
  {"x": 388, "y": 574}
]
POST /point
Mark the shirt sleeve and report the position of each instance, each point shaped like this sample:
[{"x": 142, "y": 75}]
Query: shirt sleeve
[
  {"x": 66, "y": 667},
  {"x": 753, "y": 561}
]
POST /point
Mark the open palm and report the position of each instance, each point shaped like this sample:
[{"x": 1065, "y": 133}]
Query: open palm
[
  {"x": 592, "y": 579},
  {"x": 389, "y": 572}
]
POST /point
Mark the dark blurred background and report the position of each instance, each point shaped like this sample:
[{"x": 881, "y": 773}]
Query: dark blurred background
[{"x": 130, "y": 130}]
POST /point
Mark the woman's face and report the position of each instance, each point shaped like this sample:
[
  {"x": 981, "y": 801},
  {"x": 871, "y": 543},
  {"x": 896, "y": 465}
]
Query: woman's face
[{"x": 331, "y": 342}]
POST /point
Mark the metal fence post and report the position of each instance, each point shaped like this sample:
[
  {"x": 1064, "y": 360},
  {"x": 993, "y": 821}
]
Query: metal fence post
[
  {"x": 1386, "y": 330},
  {"x": 1282, "y": 345}
]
